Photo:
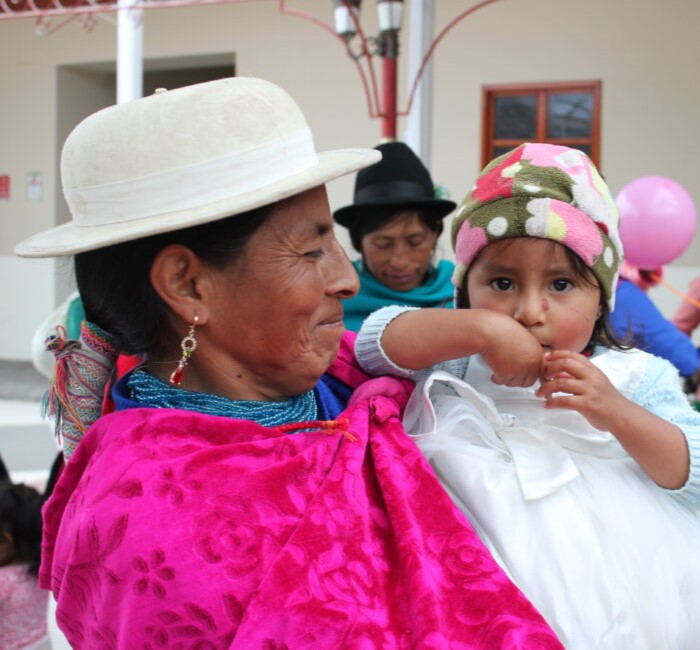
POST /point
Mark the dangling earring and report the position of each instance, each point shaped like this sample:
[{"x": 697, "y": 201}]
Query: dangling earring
[{"x": 188, "y": 346}]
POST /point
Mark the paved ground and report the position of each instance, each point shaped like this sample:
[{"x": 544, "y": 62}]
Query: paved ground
[{"x": 26, "y": 440}]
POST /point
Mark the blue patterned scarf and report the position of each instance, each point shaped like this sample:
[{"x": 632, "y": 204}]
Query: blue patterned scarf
[{"x": 150, "y": 391}]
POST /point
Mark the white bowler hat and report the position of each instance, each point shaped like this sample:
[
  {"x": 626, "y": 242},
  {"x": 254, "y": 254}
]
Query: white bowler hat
[{"x": 182, "y": 158}]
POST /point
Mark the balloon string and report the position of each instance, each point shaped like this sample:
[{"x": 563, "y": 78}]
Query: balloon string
[{"x": 670, "y": 287}]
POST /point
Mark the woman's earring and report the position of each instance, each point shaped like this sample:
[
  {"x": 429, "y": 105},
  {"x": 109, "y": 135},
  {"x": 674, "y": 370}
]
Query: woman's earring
[{"x": 188, "y": 346}]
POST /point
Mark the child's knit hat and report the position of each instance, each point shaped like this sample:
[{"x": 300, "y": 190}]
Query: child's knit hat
[{"x": 546, "y": 191}]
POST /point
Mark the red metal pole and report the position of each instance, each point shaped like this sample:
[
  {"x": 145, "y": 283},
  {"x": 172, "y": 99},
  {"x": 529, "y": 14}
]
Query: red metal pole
[
  {"x": 389, "y": 82},
  {"x": 389, "y": 50}
]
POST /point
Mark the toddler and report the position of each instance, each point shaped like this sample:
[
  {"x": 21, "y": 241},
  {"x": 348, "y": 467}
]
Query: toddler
[{"x": 577, "y": 460}]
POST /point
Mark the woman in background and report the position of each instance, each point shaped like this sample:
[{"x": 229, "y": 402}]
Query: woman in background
[
  {"x": 638, "y": 320},
  {"x": 394, "y": 223}
]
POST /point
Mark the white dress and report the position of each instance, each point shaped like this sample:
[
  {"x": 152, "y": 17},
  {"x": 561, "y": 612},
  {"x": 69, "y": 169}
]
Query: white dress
[{"x": 610, "y": 559}]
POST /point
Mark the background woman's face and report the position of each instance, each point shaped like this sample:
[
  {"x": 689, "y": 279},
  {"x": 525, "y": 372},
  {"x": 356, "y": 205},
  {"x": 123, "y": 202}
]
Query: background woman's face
[
  {"x": 398, "y": 254},
  {"x": 278, "y": 318}
]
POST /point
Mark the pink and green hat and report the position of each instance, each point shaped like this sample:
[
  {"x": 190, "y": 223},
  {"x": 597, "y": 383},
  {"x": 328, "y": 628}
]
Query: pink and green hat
[{"x": 546, "y": 191}]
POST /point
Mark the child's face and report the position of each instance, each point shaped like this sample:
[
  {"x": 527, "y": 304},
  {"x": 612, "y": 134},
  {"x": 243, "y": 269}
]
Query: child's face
[{"x": 534, "y": 281}]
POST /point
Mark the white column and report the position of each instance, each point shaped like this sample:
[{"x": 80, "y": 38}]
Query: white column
[
  {"x": 129, "y": 51},
  {"x": 419, "y": 122}
]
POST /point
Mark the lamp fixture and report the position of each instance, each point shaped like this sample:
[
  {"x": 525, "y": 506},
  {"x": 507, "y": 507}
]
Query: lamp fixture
[
  {"x": 346, "y": 14},
  {"x": 390, "y": 14}
]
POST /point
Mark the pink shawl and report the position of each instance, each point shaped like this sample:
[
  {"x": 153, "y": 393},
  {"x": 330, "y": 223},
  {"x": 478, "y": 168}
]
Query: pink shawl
[{"x": 171, "y": 529}]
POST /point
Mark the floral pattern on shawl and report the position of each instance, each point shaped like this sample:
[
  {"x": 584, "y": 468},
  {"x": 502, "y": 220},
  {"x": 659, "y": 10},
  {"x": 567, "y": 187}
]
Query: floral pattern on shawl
[{"x": 171, "y": 529}]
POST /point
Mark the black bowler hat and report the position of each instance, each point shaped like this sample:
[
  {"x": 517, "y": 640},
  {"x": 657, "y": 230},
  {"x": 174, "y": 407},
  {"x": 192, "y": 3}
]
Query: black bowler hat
[{"x": 398, "y": 180}]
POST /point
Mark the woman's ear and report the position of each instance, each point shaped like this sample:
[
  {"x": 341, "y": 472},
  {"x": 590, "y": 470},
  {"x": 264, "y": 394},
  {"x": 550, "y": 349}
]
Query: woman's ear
[{"x": 181, "y": 280}]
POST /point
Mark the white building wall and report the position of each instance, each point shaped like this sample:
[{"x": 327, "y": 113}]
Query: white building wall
[{"x": 644, "y": 51}]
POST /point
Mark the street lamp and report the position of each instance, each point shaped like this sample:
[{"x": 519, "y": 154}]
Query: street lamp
[{"x": 390, "y": 15}]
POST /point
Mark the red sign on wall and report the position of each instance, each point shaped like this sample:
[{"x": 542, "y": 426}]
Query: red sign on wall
[{"x": 4, "y": 187}]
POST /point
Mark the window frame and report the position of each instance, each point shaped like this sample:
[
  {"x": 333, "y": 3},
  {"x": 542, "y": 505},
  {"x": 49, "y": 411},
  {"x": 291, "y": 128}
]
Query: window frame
[{"x": 541, "y": 92}]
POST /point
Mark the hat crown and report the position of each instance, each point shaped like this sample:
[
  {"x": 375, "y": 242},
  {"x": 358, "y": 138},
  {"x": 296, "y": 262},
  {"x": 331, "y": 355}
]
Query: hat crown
[
  {"x": 400, "y": 174},
  {"x": 399, "y": 181},
  {"x": 183, "y": 158},
  {"x": 177, "y": 129}
]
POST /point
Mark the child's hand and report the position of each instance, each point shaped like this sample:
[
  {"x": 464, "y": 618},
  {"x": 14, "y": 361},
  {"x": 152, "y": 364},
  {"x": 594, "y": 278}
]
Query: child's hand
[
  {"x": 513, "y": 354},
  {"x": 657, "y": 445},
  {"x": 586, "y": 388}
]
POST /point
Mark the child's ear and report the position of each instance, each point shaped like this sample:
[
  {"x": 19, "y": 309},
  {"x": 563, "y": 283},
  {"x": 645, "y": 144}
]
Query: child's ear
[{"x": 7, "y": 549}]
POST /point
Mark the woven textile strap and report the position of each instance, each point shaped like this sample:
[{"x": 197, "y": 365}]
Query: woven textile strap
[{"x": 81, "y": 372}]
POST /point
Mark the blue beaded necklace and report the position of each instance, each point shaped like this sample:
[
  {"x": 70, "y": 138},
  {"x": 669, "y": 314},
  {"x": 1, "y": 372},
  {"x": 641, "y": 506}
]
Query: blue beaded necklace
[{"x": 153, "y": 392}]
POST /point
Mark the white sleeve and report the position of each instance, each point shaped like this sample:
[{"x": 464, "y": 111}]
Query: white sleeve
[
  {"x": 375, "y": 362},
  {"x": 661, "y": 394},
  {"x": 368, "y": 346}
]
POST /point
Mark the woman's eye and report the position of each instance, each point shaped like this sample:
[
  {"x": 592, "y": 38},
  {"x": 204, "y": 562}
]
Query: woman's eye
[
  {"x": 317, "y": 252},
  {"x": 562, "y": 285},
  {"x": 502, "y": 284},
  {"x": 383, "y": 245},
  {"x": 416, "y": 243}
]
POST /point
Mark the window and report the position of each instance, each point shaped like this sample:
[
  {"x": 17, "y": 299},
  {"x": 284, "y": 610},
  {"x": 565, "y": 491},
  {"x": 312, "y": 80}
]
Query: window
[{"x": 560, "y": 113}]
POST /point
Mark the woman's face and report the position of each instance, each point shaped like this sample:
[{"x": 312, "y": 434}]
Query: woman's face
[
  {"x": 398, "y": 254},
  {"x": 534, "y": 281},
  {"x": 277, "y": 318}
]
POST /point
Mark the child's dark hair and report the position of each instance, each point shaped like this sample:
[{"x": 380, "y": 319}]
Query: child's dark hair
[
  {"x": 20, "y": 524},
  {"x": 602, "y": 334}
]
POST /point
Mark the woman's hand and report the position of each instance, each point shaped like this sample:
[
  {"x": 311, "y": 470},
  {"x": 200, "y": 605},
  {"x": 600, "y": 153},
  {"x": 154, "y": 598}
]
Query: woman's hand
[{"x": 570, "y": 380}]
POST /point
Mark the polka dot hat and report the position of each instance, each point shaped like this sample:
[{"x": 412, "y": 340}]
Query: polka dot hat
[{"x": 546, "y": 191}]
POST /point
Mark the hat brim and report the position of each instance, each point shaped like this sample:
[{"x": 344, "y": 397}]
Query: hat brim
[
  {"x": 347, "y": 215},
  {"x": 69, "y": 238}
]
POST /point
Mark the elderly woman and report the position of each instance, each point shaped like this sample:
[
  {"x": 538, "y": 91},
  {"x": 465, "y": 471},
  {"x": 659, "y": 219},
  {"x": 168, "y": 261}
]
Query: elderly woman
[
  {"x": 250, "y": 488},
  {"x": 394, "y": 223}
]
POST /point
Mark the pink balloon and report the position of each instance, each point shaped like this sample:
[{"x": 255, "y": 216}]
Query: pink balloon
[{"x": 657, "y": 221}]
